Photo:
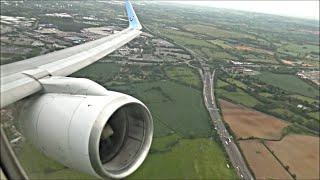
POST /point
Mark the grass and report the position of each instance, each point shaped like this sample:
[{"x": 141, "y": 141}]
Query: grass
[
  {"x": 266, "y": 59},
  {"x": 185, "y": 75},
  {"x": 175, "y": 106},
  {"x": 178, "y": 113},
  {"x": 215, "y": 32},
  {"x": 221, "y": 43},
  {"x": 183, "y": 38},
  {"x": 264, "y": 94},
  {"x": 289, "y": 83},
  {"x": 216, "y": 54},
  {"x": 285, "y": 112},
  {"x": 238, "y": 97},
  {"x": 39, "y": 166},
  {"x": 315, "y": 115},
  {"x": 176, "y": 32},
  {"x": 199, "y": 158},
  {"x": 99, "y": 72},
  {"x": 221, "y": 83},
  {"x": 164, "y": 143},
  {"x": 304, "y": 98},
  {"x": 295, "y": 129},
  {"x": 298, "y": 50},
  {"x": 64, "y": 24},
  {"x": 237, "y": 83}
]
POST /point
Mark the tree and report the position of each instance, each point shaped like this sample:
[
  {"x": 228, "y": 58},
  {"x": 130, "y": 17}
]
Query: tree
[
  {"x": 286, "y": 167},
  {"x": 294, "y": 176},
  {"x": 231, "y": 88}
]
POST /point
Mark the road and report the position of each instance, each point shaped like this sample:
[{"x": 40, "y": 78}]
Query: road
[{"x": 231, "y": 148}]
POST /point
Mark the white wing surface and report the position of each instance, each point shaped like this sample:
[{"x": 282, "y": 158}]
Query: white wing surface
[{"x": 21, "y": 79}]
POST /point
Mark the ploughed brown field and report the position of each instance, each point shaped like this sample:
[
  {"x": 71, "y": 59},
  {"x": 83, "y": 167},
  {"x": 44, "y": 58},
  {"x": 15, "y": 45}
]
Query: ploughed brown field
[
  {"x": 245, "y": 122},
  {"x": 300, "y": 153},
  {"x": 261, "y": 161}
]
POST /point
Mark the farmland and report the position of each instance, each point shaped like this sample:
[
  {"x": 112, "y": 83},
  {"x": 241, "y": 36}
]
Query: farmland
[
  {"x": 188, "y": 158},
  {"x": 215, "y": 32},
  {"x": 176, "y": 120},
  {"x": 238, "y": 96},
  {"x": 184, "y": 144},
  {"x": 38, "y": 166},
  {"x": 214, "y": 54},
  {"x": 101, "y": 72},
  {"x": 298, "y": 50},
  {"x": 304, "y": 149},
  {"x": 181, "y": 139},
  {"x": 304, "y": 98},
  {"x": 184, "y": 75},
  {"x": 290, "y": 83},
  {"x": 169, "y": 107},
  {"x": 183, "y": 38},
  {"x": 261, "y": 161},
  {"x": 181, "y": 125},
  {"x": 268, "y": 141},
  {"x": 246, "y": 123},
  {"x": 278, "y": 97}
]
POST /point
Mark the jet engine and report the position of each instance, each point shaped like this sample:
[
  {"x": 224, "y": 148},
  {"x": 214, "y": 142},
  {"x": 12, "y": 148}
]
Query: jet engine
[{"x": 82, "y": 125}]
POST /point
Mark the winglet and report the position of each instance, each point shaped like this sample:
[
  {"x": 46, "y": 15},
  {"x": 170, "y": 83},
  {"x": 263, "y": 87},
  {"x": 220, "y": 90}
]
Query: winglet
[{"x": 132, "y": 17}]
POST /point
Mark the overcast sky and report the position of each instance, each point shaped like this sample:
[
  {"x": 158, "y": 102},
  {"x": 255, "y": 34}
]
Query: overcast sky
[{"x": 302, "y": 9}]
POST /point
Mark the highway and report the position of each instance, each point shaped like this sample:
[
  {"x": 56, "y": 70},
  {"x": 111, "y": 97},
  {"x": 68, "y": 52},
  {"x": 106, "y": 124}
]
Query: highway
[{"x": 231, "y": 148}]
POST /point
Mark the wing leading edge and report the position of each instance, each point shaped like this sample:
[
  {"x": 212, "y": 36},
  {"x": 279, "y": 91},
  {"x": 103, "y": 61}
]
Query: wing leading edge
[{"x": 21, "y": 79}]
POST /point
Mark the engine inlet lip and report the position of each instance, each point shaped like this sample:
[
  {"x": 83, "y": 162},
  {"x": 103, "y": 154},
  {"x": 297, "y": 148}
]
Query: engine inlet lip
[{"x": 96, "y": 133}]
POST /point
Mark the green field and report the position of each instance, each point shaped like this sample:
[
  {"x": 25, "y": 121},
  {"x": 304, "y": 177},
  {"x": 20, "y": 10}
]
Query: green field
[
  {"x": 179, "y": 114},
  {"x": 215, "y": 32},
  {"x": 237, "y": 83},
  {"x": 38, "y": 166},
  {"x": 199, "y": 158},
  {"x": 298, "y": 50},
  {"x": 285, "y": 112},
  {"x": 216, "y": 54},
  {"x": 99, "y": 72},
  {"x": 176, "y": 120},
  {"x": 179, "y": 107},
  {"x": 183, "y": 38},
  {"x": 289, "y": 83},
  {"x": 304, "y": 98},
  {"x": 221, "y": 83},
  {"x": 165, "y": 143},
  {"x": 221, "y": 43},
  {"x": 264, "y": 94},
  {"x": 266, "y": 59},
  {"x": 238, "y": 97},
  {"x": 185, "y": 75},
  {"x": 315, "y": 115}
]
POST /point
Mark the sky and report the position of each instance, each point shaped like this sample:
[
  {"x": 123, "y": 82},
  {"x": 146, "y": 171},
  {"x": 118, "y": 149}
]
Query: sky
[{"x": 301, "y": 9}]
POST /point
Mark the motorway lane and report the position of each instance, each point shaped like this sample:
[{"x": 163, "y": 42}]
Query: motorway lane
[{"x": 231, "y": 148}]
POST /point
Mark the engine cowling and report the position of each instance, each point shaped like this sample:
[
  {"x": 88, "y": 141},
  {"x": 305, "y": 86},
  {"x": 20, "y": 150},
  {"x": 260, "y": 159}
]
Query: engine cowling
[{"x": 106, "y": 135}]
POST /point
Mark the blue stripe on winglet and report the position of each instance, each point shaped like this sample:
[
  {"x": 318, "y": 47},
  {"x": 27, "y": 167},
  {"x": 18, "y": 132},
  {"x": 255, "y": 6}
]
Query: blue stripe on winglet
[{"x": 132, "y": 17}]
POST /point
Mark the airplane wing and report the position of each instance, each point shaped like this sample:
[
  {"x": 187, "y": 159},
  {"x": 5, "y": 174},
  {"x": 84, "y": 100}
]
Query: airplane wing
[{"x": 21, "y": 79}]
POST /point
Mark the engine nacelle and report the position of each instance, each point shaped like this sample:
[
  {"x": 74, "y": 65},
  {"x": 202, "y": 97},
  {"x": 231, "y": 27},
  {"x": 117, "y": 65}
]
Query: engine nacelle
[{"x": 105, "y": 135}]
